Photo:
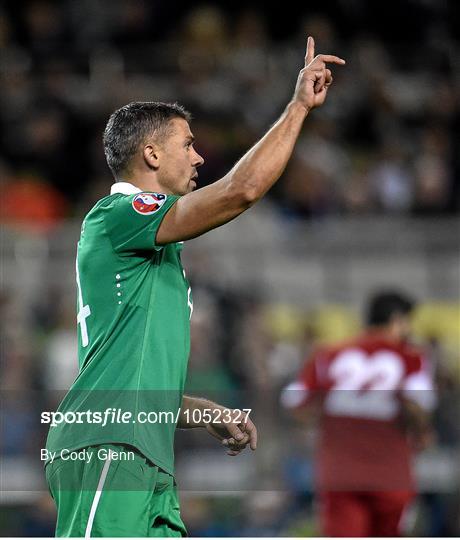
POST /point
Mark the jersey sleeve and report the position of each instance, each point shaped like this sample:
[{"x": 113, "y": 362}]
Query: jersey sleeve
[
  {"x": 132, "y": 221},
  {"x": 418, "y": 384},
  {"x": 306, "y": 386}
]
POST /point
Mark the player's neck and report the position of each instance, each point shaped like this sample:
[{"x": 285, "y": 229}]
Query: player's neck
[
  {"x": 144, "y": 182},
  {"x": 385, "y": 333}
]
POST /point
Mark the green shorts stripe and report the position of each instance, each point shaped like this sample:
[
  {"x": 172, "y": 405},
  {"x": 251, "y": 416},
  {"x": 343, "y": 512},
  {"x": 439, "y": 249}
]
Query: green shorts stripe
[
  {"x": 99, "y": 494},
  {"x": 97, "y": 497}
]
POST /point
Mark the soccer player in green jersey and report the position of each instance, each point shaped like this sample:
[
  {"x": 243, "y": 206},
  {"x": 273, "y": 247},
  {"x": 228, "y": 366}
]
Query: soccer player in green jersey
[{"x": 134, "y": 306}]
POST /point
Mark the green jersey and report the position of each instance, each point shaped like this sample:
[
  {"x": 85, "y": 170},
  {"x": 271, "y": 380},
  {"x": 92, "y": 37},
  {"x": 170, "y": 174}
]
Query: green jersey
[{"x": 134, "y": 306}]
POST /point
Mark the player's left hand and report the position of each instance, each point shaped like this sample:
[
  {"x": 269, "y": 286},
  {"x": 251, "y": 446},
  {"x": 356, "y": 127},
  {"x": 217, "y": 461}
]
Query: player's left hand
[
  {"x": 235, "y": 436},
  {"x": 423, "y": 440},
  {"x": 315, "y": 77}
]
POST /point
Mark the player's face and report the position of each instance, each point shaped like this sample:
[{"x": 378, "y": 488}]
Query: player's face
[
  {"x": 179, "y": 160},
  {"x": 406, "y": 330},
  {"x": 402, "y": 325}
]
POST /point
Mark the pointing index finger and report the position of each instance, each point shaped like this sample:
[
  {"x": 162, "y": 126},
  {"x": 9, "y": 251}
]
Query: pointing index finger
[
  {"x": 310, "y": 53},
  {"x": 331, "y": 59}
]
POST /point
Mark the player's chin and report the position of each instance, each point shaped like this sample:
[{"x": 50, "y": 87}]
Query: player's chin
[{"x": 191, "y": 185}]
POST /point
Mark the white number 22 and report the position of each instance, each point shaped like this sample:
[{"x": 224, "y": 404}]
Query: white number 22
[{"x": 364, "y": 385}]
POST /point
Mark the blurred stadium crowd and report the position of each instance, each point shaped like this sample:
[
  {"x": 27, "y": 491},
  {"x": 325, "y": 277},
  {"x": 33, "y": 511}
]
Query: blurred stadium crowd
[
  {"x": 386, "y": 146},
  {"x": 385, "y": 143}
]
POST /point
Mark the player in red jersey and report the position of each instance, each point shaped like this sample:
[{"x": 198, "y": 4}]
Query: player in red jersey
[{"x": 374, "y": 394}]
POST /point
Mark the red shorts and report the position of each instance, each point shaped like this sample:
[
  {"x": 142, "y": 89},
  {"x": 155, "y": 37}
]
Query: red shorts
[{"x": 355, "y": 513}]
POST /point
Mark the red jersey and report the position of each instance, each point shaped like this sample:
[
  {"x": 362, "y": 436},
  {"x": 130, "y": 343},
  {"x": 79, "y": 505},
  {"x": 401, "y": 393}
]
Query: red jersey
[{"x": 360, "y": 384}]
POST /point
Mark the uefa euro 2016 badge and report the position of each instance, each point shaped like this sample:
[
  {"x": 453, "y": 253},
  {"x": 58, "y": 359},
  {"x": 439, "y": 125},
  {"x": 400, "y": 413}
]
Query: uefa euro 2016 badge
[{"x": 148, "y": 203}]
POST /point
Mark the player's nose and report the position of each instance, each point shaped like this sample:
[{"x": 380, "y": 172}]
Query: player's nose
[{"x": 198, "y": 160}]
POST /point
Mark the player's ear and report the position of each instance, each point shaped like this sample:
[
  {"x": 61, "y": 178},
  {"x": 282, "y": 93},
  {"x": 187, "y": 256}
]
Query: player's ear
[{"x": 151, "y": 155}]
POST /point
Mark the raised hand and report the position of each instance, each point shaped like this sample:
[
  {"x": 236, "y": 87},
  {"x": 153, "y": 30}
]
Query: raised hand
[{"x": 314, "y": 78}]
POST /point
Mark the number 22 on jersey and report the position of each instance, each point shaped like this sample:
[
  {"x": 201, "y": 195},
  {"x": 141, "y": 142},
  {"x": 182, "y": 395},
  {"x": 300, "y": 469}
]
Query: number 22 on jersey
[{"x": 364, "y": 385}]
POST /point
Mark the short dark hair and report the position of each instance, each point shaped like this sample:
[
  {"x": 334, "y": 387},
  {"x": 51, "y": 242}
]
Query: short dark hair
[
  {"x": 386, "y": 304},
  {"x": 130, "y": 125}
]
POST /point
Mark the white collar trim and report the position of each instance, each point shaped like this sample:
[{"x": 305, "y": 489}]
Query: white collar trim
[{"x": 125, "y": 188}]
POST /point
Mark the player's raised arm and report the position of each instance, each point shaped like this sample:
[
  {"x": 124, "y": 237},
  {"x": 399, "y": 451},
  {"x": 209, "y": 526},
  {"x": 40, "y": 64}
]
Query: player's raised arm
[{"x": 256, "y": 172}]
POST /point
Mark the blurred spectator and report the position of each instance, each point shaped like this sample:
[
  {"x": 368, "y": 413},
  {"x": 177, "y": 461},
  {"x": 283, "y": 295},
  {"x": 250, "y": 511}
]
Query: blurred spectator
[
  {"x": 30, "y": 203},
  {"x": 61, "y": 358},
  {"x": 84, "y": 61}
]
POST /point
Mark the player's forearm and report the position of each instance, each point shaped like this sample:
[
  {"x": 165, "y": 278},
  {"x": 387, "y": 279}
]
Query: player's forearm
[
  {"x": 263, "y": 164},
  {"x": 415, "y": 418},
  {"x": 253, "y": 175},
  {"x": 308, "y": 415},
  {"x": 188, "y": 418}
]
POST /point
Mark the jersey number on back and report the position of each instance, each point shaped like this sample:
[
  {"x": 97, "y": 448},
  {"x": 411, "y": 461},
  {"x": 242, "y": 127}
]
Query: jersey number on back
[
  {"x": 364, "y": 385},
  {"x": 83, "y": 311}
]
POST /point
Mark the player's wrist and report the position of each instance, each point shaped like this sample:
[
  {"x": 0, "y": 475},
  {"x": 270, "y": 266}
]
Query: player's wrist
[
  {"x": 297, "y": 108},
  {"x": 199, "y": 411}
]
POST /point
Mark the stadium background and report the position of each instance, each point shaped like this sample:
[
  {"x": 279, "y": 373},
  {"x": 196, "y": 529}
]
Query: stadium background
[{"x": 370, "y": 199}]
